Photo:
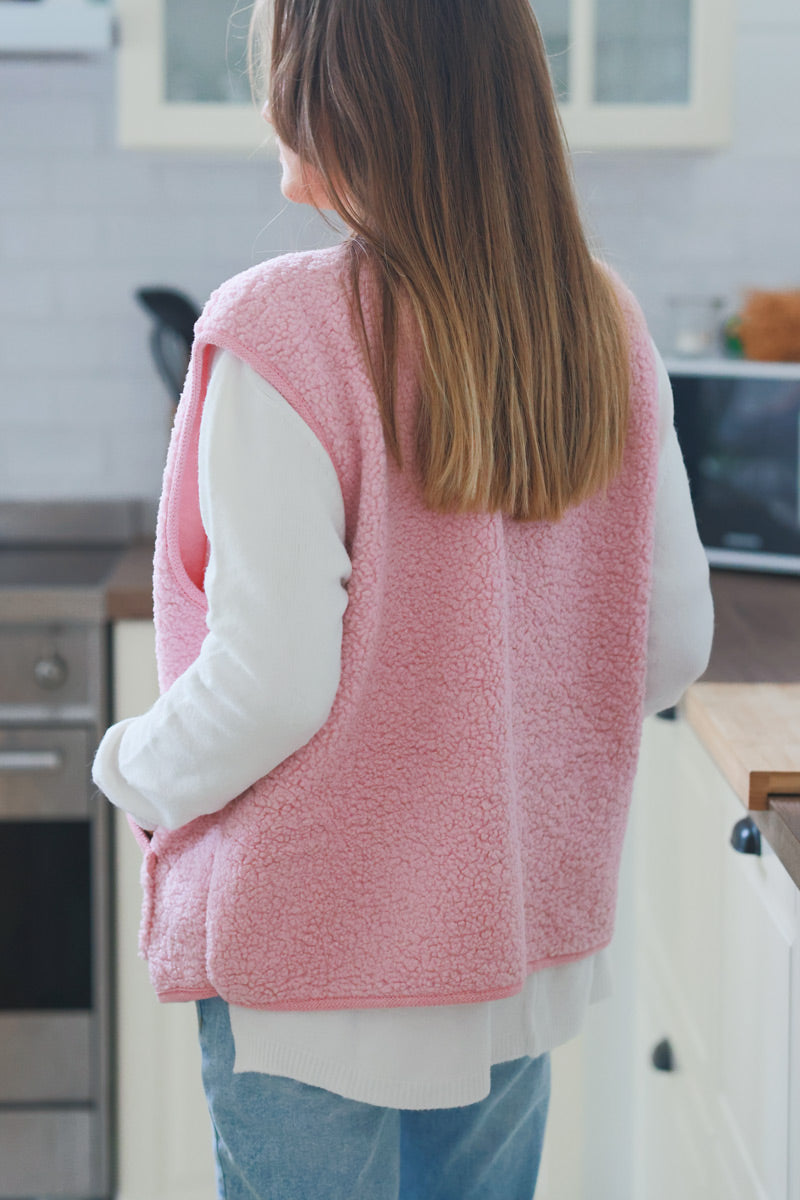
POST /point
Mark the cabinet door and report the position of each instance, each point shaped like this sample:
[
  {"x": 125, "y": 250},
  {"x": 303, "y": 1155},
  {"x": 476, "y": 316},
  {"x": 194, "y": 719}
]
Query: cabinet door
[
  {"x": 647, "y": 73},
  {"x": 182, "y": 76},
  {"x": 163, "y": 1127},
  {"x": 717, "y": 934},
  {"x": 587, "y": 1145},
  {"x": 642, "y": 51},
  {"x": 759, "y": 935},
  {"x": 678, "y": 878},
  {"x": 627, "y": 72},
  {"x": 794, "y": 1065},
  {"x": 673, "y": 1132}
]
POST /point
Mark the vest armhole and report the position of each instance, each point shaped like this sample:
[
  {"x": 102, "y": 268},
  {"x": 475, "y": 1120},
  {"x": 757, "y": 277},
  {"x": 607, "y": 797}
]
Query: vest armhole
[
  {"x": 275, "y": 377},
  {"x": 187, "y": 542}
]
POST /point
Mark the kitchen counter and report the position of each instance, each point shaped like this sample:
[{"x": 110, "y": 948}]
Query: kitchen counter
[
  {"x": 756, "y": 628},
  {"x": 752, "y": 732},
  {"x": 129, "y": 587},
  {"x": 75, "y": 561},
  {"x": 746, "y": 708}
]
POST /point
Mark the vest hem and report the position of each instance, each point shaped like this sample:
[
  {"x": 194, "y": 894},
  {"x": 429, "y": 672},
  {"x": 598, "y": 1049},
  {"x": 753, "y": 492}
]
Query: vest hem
[
  {"x": 177, "y": 995},
  {"x": 332, "y": 1003}
]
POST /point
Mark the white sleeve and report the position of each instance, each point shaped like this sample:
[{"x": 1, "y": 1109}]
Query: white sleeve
[
  {"x": 269, "y": 667},
  {"x": 681, "y": 609}
]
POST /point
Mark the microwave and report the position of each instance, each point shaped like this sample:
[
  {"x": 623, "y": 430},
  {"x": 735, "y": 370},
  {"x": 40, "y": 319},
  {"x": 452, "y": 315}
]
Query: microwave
[{"x": 738, "y": 425}]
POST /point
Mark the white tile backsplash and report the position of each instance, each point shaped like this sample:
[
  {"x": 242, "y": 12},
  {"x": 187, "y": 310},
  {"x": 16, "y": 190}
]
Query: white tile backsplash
[
  {"x": 767, "y": 106},
  {"x": 43, "y": 234},
  {"x": 63, "y": 460},
  {"x": 46, "y": 121},
  {"x": 69, "y": 346},
  {"x": 85, "y": 181},
  {"x": 25, "y": 181},
  {"x": 26, "y": 291},
  {"x": 83, "y": 224},
  {"x": 767, "y": 12}
]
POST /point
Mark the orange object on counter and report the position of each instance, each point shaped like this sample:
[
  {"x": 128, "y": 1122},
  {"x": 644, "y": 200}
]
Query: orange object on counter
[{"x": 769, "y": 327}]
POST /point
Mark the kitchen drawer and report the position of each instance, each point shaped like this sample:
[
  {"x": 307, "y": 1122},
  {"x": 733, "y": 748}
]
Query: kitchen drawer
[
  {"x": 46, "y": 1057},
  {"x": 47, "y": 1152},
  {"x": 44, "y": 774},
  {"x": 682, "y": 847},
  {"x": 51, "y": 672}
]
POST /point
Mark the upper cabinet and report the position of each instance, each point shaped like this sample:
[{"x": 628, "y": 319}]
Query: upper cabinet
[
  {"x": 629, "y": 73},
  {"x": 182, "y": 76},
  {"x": 641, "y": 73},
  {"x": 55, "y": 27}
]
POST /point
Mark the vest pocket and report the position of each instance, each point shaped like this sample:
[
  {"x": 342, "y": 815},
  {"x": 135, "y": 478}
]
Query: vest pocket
[
  {"x": 142, "y": 836},
  {"x": 148, "y": 884}
]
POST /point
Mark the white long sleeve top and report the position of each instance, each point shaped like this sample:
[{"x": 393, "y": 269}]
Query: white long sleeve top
[{"x": 272, "y": 509}]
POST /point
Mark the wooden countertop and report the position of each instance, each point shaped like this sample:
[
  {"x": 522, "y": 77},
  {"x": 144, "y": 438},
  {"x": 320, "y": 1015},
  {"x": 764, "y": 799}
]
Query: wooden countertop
[
  {"x": 746, "y": 708},
  {"x": 129, "y": 589},
  {"x": 752, "y": 731}
]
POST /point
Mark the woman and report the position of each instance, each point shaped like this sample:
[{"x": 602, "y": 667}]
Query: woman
[{"x": 425, "y": 560}]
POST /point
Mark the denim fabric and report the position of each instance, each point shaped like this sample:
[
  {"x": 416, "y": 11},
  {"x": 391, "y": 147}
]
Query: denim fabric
[{"x": 278, "y": 1139}]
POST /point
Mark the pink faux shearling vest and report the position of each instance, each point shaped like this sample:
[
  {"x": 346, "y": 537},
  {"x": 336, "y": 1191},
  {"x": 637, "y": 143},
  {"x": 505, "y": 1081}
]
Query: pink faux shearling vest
[{"x": 458, "y": 821}]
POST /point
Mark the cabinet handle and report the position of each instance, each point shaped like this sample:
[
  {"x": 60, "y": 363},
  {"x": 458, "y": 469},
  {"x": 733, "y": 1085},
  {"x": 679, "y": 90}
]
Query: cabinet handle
[
  {"x": 662, "y": 1057},
  {"x": 746, "y": 838},
  {"x": 31, "y": 760}
]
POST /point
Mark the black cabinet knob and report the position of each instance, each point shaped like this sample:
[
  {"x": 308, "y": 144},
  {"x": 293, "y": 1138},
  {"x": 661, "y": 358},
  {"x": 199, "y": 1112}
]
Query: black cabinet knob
[
  {"x": 746, "y": 838},
  {"x": 662, "y": 1057}
]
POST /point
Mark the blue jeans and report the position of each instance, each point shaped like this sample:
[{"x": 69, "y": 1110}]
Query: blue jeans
[{"x": 277, "y": 1139}]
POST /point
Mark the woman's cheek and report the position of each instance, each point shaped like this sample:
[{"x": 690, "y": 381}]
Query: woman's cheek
[{"x": 299, "y": 183}]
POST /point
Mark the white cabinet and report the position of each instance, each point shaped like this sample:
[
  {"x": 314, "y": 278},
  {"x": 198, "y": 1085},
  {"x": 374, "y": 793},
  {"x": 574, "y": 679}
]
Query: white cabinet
[
  {"x": 758, "y": 936},
  {"x": 641, "y": 73},
  {"x": 587, "y": 1147},
  {"x": 56, "y": 27},
  {"x": 718, "y": 938},
  {"x": 182, "y": 76},
  {"x": 163, "y": 1128},
  {"x": 794, "y": 1083},
  {"x": 629, "y": 73}
]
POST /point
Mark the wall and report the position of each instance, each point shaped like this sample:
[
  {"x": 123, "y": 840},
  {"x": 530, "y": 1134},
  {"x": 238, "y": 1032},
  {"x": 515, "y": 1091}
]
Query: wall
[
  {"x": 712, "y": 223},
  {"x": 82, "y": 224}
]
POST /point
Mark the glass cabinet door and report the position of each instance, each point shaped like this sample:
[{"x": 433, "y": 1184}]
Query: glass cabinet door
[
  {"x": 205, "y": 60},
  {"x": 642, "y": 51},
  {"x": 641, "y": 73},
  {"x": 182, "y": 76},
  {"x": 554, "y": 22}
]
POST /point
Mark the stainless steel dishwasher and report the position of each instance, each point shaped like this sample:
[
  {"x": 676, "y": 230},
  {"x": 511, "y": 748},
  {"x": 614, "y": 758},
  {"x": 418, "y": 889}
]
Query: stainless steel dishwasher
[{"x": 56, "y": 1036}]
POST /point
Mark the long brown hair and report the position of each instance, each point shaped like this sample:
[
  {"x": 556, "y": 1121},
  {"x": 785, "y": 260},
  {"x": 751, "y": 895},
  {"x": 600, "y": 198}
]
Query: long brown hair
[{"x": 434, "y": 126}]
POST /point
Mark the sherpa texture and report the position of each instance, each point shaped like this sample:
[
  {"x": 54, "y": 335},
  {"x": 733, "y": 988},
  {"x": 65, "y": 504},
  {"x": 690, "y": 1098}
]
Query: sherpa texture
[{"x": 458, "y": 821}]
